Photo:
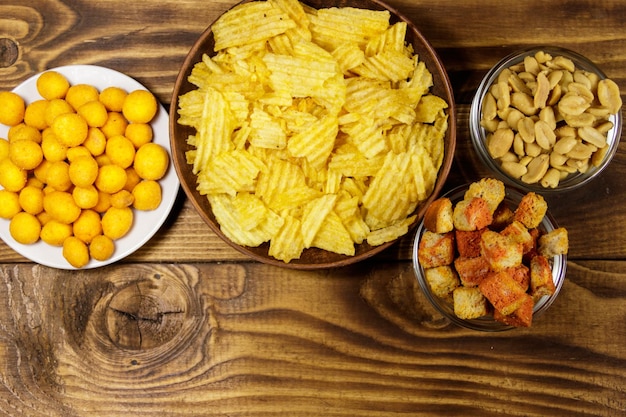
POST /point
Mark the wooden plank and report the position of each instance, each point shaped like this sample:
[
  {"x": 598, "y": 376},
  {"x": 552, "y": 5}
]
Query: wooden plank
[{"x": 248, "y": 339}]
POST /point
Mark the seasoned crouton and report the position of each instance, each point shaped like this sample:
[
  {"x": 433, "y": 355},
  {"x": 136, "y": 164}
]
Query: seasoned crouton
[
  {"x": 469, "y": 303},
  {"x": 541, "y": 282},
  {"x": 471, "y": 270},
  {"x": 500, "y": 251},
  {"x": 472, "y": 214},
  {"x": 520, "y": 234},
  {"x": 553, "y": 243},
  {"x": 489, "y": 189},
  {"x": 438, "y": 216},
  {"x": 522, "y": 317},
  {"x": 436, "y": 249},
  {"x": 534, "y": 251},
  {"x": 442, "y": 280},
  {"x": 535, "y": 235},
  {"x": 502, "y": 217},
  {"x": 468, "y": 243},
  {"x": 503, "y": 292},
  {"x": 531, "y": 209},
  {"x": 521, "y": 275}
]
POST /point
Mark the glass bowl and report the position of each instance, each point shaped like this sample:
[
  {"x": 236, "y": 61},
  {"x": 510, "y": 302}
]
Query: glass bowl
[
  {"x": 479, "y": 134},
  {"x": 488, "y": 323}
]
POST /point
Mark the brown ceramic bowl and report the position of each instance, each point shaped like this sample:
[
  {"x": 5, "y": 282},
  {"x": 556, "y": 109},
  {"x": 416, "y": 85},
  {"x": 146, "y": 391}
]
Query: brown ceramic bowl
[{"x": 312, "y": 258}]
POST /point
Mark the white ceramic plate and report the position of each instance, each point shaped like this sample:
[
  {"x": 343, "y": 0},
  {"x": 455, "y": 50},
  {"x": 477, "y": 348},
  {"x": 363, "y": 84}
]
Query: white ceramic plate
[{"x": 146, "y": 223}]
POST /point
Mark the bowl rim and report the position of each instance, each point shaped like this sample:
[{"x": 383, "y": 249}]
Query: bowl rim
[
  {"x": 433, "y": 63},
  {"x": 478, "y": 133},
  {"x": 487, "y": 323}
]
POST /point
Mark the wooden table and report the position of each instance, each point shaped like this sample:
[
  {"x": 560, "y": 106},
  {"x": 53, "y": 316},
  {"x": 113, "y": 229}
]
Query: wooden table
[{"x": 217, "y": 334}]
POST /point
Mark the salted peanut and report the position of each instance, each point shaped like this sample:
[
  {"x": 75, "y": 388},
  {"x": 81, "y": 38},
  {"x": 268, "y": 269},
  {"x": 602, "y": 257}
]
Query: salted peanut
[
  {"x": 514, "y": 116},
  {"x": 514, "y": 169},
  {"x": 572, "y": 104},
  {"x": 584, "y": 119},
  {"x": 490, "y": 125},
  {"x": 598, "y": 156},
  {"x": 531, "y": 65},
  {"x": 544, "y": 135},
  {"x": 524, "y": 103},
  {"x": 567, "y": 168},
  {"x": 537, "y": 168},
  {"x": 592, "y": 136},
  {"x": 532, "y": 149},
  {"x": 518, "y": 145},
  {"x": 503, "y": 116},
  {"x": 594, "y": 79},
  {"x": 599, "y": 112},
  {"x": 517, "y": 84},
  {"x": 517, "y": 68},
  {"x": 580, "y": 77},
  {"x": 581, "y": 151},
  {"x": 582, "y": 90},
  {"x": 555, "y": 95},
  {"x": 580, "y": 165},
  {"x": 557, "y": 160},
  {"x": 499, "y": 142},
  {"x": 555, "y": 77},
  {"x": 568, "y": 77},
  {"x": 565, "y": 131},
  {"x": 503, "y": 98},
  {"x": 527, "y": 77},
  {"x": 495, "y": 89},
  {"x": 542, "y": 57},
  {"x": 509, "y": 157},
  {"x": 547, "y": 115},
  {"x": 504, "y": 75},
  {"x": 542, "y": 91},
  {"x": 605, "y": 127},
  {"x": 564, "y": 63},
  {"x": 551, "y": 179},
  {"x": 503, "y": 125},
  {"x": 489, "y": 107},
  {"x": 609, "y": 95},
  {"x": 526, "y": 160},
  {"x": 526, "y": 129}
]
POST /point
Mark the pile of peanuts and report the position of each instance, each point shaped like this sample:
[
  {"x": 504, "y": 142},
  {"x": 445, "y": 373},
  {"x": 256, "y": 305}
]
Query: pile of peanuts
[{"x": 545, "y": 119}]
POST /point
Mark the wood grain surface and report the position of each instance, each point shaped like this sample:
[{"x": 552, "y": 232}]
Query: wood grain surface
[{"x": 188, "y": 326}]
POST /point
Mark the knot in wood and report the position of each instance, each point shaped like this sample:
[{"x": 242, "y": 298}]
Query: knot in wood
[
  {"x": 142, "y": 316},
  {"x": 9, "y": 52}
]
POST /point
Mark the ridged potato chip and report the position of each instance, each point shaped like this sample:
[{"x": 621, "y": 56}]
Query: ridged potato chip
[
  {"x": 260, "y": 19},
  {"x": 288, "y": 243},
  {"x": 338, "y": 25}
]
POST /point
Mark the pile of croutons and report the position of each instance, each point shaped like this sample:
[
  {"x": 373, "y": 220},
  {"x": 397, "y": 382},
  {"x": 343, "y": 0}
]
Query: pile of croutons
[{"x": 487, "y": 258}]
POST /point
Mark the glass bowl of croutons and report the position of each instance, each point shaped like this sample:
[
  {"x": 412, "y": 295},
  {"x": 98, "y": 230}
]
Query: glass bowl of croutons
[
  {"x": 546, "y": 119},
  {"x": 490, "y": 257}
]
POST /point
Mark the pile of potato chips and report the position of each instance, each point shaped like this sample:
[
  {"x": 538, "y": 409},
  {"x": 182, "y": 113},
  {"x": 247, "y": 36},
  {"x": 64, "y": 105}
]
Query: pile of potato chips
[{"x": 314, "y": 128}]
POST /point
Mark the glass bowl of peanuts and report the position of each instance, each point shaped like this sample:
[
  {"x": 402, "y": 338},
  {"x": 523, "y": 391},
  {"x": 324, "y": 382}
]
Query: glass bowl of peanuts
[{"x": 546, "y": 119}]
